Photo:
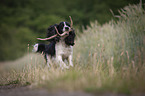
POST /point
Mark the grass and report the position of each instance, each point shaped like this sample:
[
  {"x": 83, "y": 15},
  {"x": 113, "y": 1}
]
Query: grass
[{"x": 107, "y": 58}]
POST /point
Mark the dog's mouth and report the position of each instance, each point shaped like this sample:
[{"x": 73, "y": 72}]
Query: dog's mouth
[{"x": 67, "y": 34}]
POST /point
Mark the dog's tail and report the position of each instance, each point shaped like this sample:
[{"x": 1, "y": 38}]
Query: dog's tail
[{"x": 39, "y": 47}]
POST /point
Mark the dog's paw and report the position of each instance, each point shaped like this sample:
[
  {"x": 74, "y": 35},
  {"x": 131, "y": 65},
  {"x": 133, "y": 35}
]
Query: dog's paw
[
  {"x": 67, "y": 67},
  {"x": 71, "y": 65}
]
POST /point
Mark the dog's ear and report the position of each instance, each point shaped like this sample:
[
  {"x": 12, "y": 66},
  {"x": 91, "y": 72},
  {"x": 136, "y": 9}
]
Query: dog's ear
[
  {"x": 60, "y": 27},
  {"x": 51, "y": 31},
  {"x": 69, "y": 40},
  {"x": 51, "y": 28}
]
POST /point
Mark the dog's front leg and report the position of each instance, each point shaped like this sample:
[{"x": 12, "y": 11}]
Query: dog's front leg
[
  {"x": 60, "y": 61},
  {"x": 70, "y": 60}
]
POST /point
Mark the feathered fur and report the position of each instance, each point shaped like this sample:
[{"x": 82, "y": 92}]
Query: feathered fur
[{"x": 60, "y": 48}]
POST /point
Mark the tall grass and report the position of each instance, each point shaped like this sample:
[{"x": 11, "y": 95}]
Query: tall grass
[{"x": 107, "y": 58}]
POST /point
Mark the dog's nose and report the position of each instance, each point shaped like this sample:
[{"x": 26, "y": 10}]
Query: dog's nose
[{"x": 66, "y": 28}]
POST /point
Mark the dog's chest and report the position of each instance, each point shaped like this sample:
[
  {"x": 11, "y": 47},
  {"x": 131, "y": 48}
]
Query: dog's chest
[{"x": 63, "y": 49}]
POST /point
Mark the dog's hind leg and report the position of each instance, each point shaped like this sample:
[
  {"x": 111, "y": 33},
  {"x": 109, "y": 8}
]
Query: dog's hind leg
[{"x": 48, "y": 60}]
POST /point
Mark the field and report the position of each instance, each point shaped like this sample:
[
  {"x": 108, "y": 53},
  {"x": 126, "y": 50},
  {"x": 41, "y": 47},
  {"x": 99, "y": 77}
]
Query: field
[{"x": 107, "y": 58}]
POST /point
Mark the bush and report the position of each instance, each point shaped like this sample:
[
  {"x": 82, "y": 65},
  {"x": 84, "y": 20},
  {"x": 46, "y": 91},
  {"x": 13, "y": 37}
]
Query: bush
[{"x": 14, "y": 42}]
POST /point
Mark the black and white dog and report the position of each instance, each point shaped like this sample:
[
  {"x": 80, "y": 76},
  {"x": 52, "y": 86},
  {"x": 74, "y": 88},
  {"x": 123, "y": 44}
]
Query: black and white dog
[{"x": 60, "y": 47}]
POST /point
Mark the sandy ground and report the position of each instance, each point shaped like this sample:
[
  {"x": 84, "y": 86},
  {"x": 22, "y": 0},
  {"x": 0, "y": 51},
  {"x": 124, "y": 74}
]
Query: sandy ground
[
  {"x": 26, "y": 91},
  {"x": 14, "y": 90}
]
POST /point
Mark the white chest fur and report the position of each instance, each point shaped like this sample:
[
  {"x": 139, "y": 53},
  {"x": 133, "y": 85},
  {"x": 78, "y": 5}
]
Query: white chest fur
[{"x": 63, "y": 50}]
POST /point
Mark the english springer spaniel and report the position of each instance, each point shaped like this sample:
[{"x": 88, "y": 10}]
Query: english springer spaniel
[{"x": 61, "y": 39}]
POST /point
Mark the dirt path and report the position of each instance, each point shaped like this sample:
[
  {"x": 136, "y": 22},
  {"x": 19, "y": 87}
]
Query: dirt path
[
  {"x": 14, "y": 90},
  {"x": 26, "y": 91}
]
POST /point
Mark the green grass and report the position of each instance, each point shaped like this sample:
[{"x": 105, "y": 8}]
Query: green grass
[{"x": 107, "y": 58}]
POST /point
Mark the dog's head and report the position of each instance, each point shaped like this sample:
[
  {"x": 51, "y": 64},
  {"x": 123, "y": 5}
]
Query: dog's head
[
  {"x": 70, "y": 36},
  {"x": 63, "y": 27}
]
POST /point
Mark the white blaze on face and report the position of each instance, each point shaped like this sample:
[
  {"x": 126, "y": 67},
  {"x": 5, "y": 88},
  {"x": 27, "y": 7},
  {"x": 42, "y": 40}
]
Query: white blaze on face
[
  {"x": 66, "y": 27},
  {"x": 35, "y": 48}
]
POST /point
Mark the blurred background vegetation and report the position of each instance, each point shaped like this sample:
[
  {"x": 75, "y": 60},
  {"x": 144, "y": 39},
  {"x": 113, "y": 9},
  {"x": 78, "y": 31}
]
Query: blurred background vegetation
[{"x": 21, "y": 21}]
